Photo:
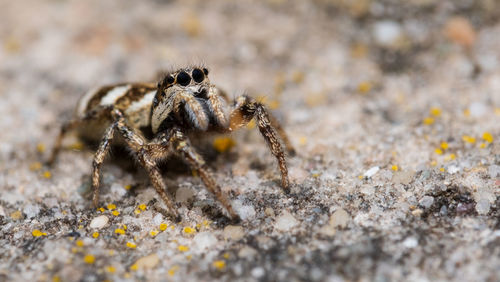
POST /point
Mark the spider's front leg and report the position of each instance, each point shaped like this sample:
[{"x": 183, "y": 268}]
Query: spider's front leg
[
  {"x": 147, "y": 154},
  {"x": 183, "y": 147},
  {"x": 245, "y": 110}
]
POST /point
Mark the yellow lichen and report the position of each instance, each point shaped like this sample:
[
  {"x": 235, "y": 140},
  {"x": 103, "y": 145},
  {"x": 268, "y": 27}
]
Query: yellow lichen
[
  {"x": 124, "y": 227},
  {"x": 469, "y": 139},
  {"x": 35, "y": 166},
  {"x": 38, "y": 233},
  {"x": 223, "y": 144},
  {"x": 441, "y": 169},
  {"x": 219, "y": 264},
  {"x": 435, "y": 111},
  {"x": 482, "y": 145},
  {"x": 163, "y": 226},
  {"x": 110, "y": 269},
  {"x": 450, "y": 157},
  {"x": 128, "y": 187},
  {"x": 142, "y": 207},
  {"x": 467, "y": 112},
  {"x": 115, "y": 213},
  {"x": 433, "y": 163},
  {"x": 395, "y": 168},
  {"x": 438, "y": 151},
  {"x": 76, "y": 146},
  {"x": 101, "y": 209},
  {"x": 134, "y": 267},
  {"x": 131, "y": 245},
  {"x": 95, "y": 234},
  {"x": 172, "y": 270},
  {"x": 47, "y": 174},
  {"x": 153, "y": 233},
  {"x": 137, "y": 211},
  {"x": 365, "y": 87},
  {"x": 79, "y": 243},
  {"x": 428, "y": 120},
  {"x": 226, "y": 255},
  {"x": 16, "y": 215},
  {"x": 444, "y": 145},
  {"x": 89, "y": 259},
  {"x": 183, "y": 248},
  {"x": 189, "y": 230},
  {"x": 40, "y": 147},
  {"x": 111, "y": 207},
  {"x": 119, "y": 231},
  {"x": 488, "y": 137}
]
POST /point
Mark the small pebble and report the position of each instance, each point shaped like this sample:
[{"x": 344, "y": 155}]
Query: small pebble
[
  {"x": 147, "y": 262},
  {"x": 233, "y": 232},
  {"x": 483, "y": 206},
  {"x": 31, "y": 211},
  {"x": 285, "y": 222},
  {"x": 339, "y": 218},
  {"x": 99, "y": 222},
  {"x": 371, "y": 172},
  {"x": 426, "y": 201},
  {"x": 204, "y": 240}
]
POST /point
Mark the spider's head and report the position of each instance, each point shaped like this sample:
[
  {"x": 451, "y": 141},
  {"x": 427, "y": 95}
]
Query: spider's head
[
  {"x": 180, "y": 99},
  {"x": 184, "y": 77}
]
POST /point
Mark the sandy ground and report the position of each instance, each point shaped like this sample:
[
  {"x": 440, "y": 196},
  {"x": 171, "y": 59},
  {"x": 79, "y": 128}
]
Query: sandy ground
[{"x": 393, "y": 107}]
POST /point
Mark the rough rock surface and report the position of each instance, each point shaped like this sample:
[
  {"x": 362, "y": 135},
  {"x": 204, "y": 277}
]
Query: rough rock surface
[{"x": 411, "y": 88}]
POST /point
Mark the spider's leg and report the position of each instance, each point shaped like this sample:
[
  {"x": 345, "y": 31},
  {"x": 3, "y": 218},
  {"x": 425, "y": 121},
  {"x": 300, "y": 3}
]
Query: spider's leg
[
  {"x": 72, "y": 124},
  {"x": 281, "y": 132},
  {"x": 182, "y": 146},
  {"x": 99, "y": 156},
  {"x": 142, "y": 150},
  {"x": 245, "y": 110}
]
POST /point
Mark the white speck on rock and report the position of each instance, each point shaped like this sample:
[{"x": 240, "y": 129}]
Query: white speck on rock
[
  {"x": 31, "y": 211},
  {"x": 99, "y": 222},
  {"x": 387, "y": 33},
  {"x": 371, "y": 172},
  {"x": 410, "y": 242},
  {"x": 452, "y": 169},
  {"x": 158, "y": 219},
  {"x": 426, "y": 201},
  {"x": 339, "y": 218},
  {"x": 285, "y": 222},
  {"x": 204, "y": 240},
  {"x": 233, "y": 232},
  {"x": 118, "y": 190},
  {"x": 244, "y": 211},
  {"x": 483, "y": 206},
  {"x": 258, "y": 272},
  {"x": 478, "y": 109},
  {"x": 494, "y": 171}
]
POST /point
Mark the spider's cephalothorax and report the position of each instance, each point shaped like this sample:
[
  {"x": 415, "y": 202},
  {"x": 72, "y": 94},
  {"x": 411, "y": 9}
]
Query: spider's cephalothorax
[{"x": 184, "y": 101}]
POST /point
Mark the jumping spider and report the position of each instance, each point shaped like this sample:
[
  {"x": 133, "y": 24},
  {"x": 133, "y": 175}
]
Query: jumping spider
[{"x": 183, "y": 103}]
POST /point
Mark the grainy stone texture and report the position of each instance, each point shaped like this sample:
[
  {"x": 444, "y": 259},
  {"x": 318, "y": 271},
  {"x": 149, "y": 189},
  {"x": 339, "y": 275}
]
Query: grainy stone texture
[{"x": 411, "y": 88}]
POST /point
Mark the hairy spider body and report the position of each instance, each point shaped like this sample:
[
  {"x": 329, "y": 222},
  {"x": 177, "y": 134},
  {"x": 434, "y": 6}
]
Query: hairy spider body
[{"x": 155, "y": 121}]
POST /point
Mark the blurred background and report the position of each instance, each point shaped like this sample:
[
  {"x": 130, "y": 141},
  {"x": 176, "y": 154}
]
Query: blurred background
[{"x": 393, "y": 107}]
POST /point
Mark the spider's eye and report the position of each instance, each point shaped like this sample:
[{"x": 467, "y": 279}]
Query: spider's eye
[
  {"x": 183, "y": 78},
  {"x": 205, "y": 71},
  {"x": 198, "y": 75},
  {"x": 169, "y": 79}
]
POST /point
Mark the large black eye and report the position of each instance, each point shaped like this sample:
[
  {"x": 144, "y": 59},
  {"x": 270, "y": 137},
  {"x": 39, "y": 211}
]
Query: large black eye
[
  {"x": 183, "y": 78},
  {"x": 198, "y": 75}
]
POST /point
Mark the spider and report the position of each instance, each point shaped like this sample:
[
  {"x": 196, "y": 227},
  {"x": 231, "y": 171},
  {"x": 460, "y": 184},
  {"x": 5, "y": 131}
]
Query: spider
[{"x": 184, "y": 103}]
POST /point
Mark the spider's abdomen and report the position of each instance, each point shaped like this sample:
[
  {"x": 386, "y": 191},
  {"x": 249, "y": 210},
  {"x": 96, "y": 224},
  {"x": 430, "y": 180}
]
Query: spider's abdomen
[{"x": 133, "y": 99}]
